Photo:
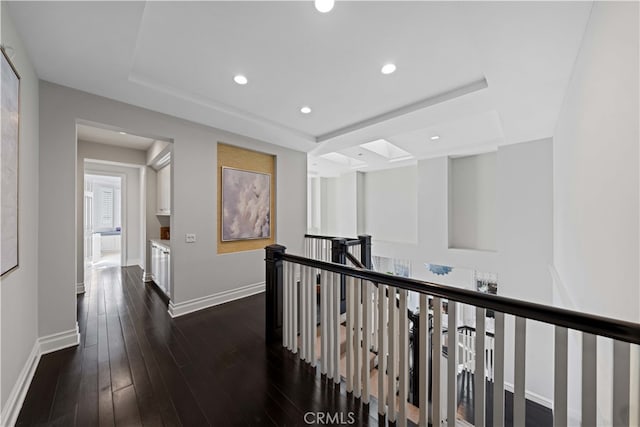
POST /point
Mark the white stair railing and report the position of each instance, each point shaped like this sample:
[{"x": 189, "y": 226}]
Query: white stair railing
[{"x": 376, "y": 328}]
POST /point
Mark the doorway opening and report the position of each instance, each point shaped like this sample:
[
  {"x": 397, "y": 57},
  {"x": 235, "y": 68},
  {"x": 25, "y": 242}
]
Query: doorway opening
[{"x": 103, "y": 221}]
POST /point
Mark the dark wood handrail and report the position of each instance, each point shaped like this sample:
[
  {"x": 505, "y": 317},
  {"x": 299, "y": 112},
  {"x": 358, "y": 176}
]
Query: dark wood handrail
[
  {"x": 597, "y": 325},
  {"x": 349, "y": 241},
  {"x": 355, "y": 261},
  {"x": 315, "y": 236}
]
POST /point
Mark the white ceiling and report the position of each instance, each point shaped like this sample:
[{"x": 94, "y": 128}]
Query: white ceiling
[
  {"x": 479, "y": 73},
  {"x": 113, "y": 137}
]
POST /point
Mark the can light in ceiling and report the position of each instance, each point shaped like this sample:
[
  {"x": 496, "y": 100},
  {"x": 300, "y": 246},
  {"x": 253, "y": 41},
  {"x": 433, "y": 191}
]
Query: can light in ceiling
[
  {"x": 435, "y": 137},
  {"x": 305, "y": 110},
  {"x": 123, "y": 133},
  {"x": 240, "y": 79},
  {"x": 324, "y": 6},
  {"x": 388, "y": 68}
]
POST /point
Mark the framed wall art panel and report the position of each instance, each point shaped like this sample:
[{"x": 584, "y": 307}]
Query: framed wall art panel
[
  {"x": 9, "y": 150},
  {"x": 246, "y": 199}
]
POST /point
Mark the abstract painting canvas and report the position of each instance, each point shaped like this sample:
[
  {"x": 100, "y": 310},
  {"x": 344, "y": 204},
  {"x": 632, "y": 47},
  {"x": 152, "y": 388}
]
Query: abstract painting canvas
[
  {"x": 246, "y": 204},
  {"x": 9, "y": 118}
]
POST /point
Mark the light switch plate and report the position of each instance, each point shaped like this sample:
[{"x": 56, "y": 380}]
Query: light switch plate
[{"x": 190, "y": 238}]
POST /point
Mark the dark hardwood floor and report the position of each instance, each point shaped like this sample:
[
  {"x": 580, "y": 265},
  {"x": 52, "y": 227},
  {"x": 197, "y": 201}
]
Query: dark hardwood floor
[{"x": 136, "y": 365}]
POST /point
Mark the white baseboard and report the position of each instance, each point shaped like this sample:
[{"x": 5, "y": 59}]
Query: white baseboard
[
  {"x": 80, "y": 288},
  {"x": 11, "y": 409},
  {"x": 534, "y": 397},
  {"x": 147, "y": 277},
  {"x": 55, "y": 342},
  {"x": 41, "y": 346},
  {"x": 182, "y": 308}
]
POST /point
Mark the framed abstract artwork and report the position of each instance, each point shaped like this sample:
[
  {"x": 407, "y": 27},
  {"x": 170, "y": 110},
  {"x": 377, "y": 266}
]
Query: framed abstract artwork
[
  {"x": 10, "y": 122},
  {"x": 246, "y": 205}
]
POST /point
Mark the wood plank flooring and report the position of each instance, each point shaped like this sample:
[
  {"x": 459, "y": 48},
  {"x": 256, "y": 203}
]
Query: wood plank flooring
[{"x": 137, "y": 366}]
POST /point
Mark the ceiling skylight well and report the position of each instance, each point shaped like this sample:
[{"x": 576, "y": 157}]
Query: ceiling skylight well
[
  {"x": 387, "y": 150},
  {"x": 345, "y": 160}
]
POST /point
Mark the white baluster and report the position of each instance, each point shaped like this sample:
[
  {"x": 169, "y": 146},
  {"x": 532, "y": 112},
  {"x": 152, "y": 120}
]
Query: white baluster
[
  {"x": 498, "y": 372},
  {"x": 403, "y": 328},
  {"x": 366, "y": 340},
  {"x": 336, "y": 328},
  {"x": 560, "y": 378},
  {"x": 621, "y": 382},
  {"x": 294, "y": 311},
  {"x": 478, "y": 377},
  {"x": 436, "y": 363},
  {"x": 452, "y": 360},
  {"x": 423, "y": 380},
  {"x": 519, "y": 368},
  {"x": 376, "y": 317},
  {"x": 304, "y": 305},
  {"x": 358, "y": 337},
  {"x": 349, "y": 343},
  {"x": 589, "y": 379},
  {"x": 330, "y": 326},
  {"x": 314, "y": 316},
  {"x": 391, "y": 367},
  {"x": 324, "y": 321},
  {"x": 309, "y": 309},
  {"x": 311, "y": 294},
  {"x": 381, "y": 348}
]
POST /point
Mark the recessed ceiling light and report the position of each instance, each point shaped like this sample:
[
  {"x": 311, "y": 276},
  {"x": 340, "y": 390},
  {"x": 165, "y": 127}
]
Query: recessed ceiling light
[
  {"x": 324, "y": 6},
  {"x": 305, "y": 110},
  {"x": 123, "y": 133},
  {"x": 435, "y": 137},
  {"x": 240, "y": 79},
  {"x": 388, "y": 68}
]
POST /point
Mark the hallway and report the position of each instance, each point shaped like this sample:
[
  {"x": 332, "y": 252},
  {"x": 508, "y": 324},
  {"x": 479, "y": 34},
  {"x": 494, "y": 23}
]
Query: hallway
[{"x": 137, "y": 366}]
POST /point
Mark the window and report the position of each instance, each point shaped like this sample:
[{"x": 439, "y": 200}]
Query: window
[{"x": 106, "y": 207}]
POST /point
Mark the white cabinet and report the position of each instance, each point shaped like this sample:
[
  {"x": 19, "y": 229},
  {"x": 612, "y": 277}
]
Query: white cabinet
[
  {"x": 164, "y": 191},
  {"x": 160, "y": 266}
]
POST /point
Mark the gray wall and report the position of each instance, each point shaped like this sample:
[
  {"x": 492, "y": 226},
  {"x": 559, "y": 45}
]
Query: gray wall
[
  {"x": 472, "y": 202},
  {"x": 525, "y": 250},
  {"x": 596, "y": 167},
  {"x": 408, "y": 214},
  {"x": 196, "y": 268},
  {"x": 597, "y": 190},
  {"x": 19, "y": 289}
]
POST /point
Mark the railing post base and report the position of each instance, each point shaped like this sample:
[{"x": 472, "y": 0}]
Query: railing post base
[{"x": 273, "y": 288}]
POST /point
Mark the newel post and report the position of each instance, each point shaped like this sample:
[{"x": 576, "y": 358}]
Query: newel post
[
  {"x": 339, "y": 256},
  {"x": 365, "y": 251},
  {"x": 273, "y": 285}
]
